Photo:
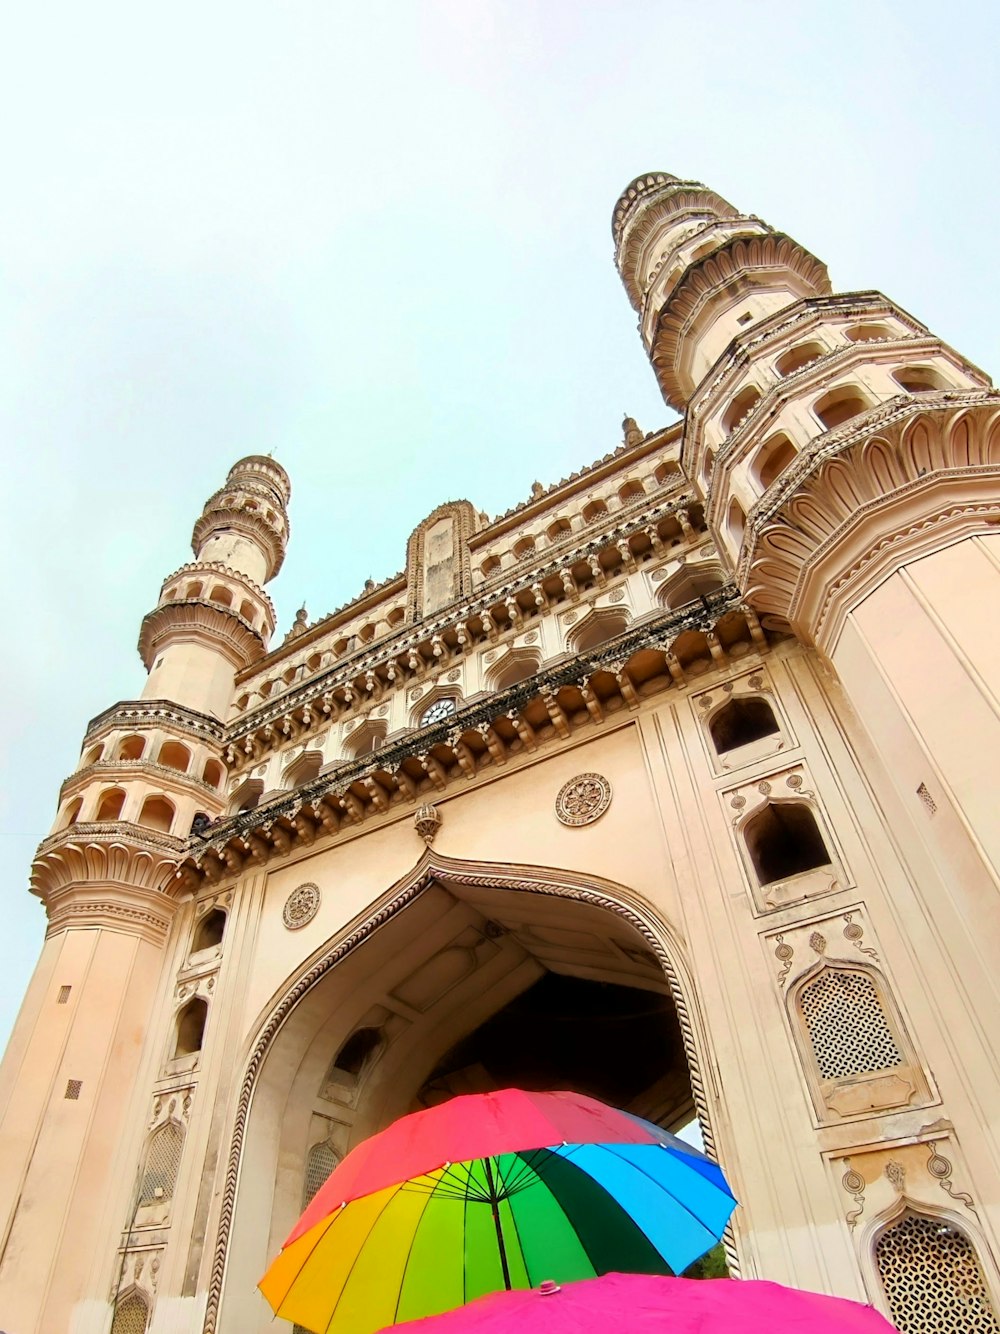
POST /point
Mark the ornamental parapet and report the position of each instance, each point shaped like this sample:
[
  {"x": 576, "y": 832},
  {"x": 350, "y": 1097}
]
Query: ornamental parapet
[
  {"x": 142, "y": 713},
  {"x": 115, "y": 875},
  {"x": 412, "y": 650},
  {"x": 663, "y": 651},
  {"x": 115, "y": 770},
  {"x": 196, "y": 618},
  {"x": 740, "y": 261}
]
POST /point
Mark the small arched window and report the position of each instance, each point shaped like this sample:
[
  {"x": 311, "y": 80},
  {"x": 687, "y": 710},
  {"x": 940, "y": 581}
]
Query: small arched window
[
  {"x": 91, "y": 756},
  {"x": 304, "y": 769},
  {"x": 920, "y": 379},
  {"x": 514, "y": 671},
  {"x": 110, "y": 805},
  {"x": 131, "y": 748},
  {"x": 157, "y": 813},
  {"x": 175, "y": 756},
  {"x": 744, "y": 401},
  {"x": 213, "y": 773},
  {"x": 932, "y": 1277},
  {"x": 71, "y": 813},
  {"x": 840, "y": 405},
  {"x": 357, "y": 1050},
  {"x": 771, "y": 460},
  {"x": 248, "y": 611},
  {"x": 741, "y": 721},
  {"x": 632, "y": 490},
  {"x": 668, "y": 472},
  {"x": 783, "y": 840},
  {"x": 524, "y": 547},
  {"x": 558, "y": 530},
  {"x": 247, "y": 796},
  {"x": 131, "y": 1315},
  {"x": 191, "y": 1027},
  {"x": 690, "y": 586},
  {"x": 598, "y": 629},
  {"x": 221, "y": 595},
  {"x": 597, "y": 509},
  {"x": 797, "y": 357},
  {"x": 161, "y": 1165},
  {"x": 736, "y": 522},
  {"x": 320, "y": 1163},
  {"x": 870, "y": 333},
  {"x": 490, "y": 566},
  {"x": 209, "y": 931},
  {"x": 194, "y": 590},
  {"x": 846, "y": 1023}
]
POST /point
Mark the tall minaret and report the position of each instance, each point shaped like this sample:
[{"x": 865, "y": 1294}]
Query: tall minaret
[
  {"x": 851, "y": 464},
  {"x": 107, "y": 875}
]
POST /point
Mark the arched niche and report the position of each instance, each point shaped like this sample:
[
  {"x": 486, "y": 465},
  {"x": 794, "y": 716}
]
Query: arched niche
[{"x": 442, "y": 956}]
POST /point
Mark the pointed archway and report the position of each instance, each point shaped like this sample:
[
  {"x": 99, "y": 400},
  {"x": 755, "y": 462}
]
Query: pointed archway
[{"x": 462, "y": 975}]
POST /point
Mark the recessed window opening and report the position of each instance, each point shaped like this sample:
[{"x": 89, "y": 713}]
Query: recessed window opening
[
  {"x": 870, "y": 333},
  {"x": 491, "y": 565},
  {"x": 920, "y": 379},
  {"x": 525, "y": 546},
  {"x": 797, "y": 357},
  {"x": 161, "y": 1165},
  {"x": 599, "y": 630},
  {"x": 358, "y": 1048},
  {"x": 597, "y": 509},
  {"x": 740, "y": 722},
  {"x": 213, "y": 772},
  {"x": 131, "y": 1315},
  {"x": 745, "y": 318},
  {"x": 557, "y": 531},
  {"x": 72, "y": 812},
  {"x": 840, "y": 405},
  {"x": 689, "y": 587},
  {"x": 63, "y": 997},
  {"x": 157, "y": 813},
  {"x": 514, "y": 673},
  {"x": 736, "y": 521},
  {"x": 248, "y": 611},
  {"x": 932, "y": 1277},
  {"x": 131, "y": 748},
  {"x": 773, "y": 457},
  {"x": 304, "y": 769},
  {"x": 92, "y": 756},
  {"x": 320, "y": 1163},
  {"x": 631, "y": 491},
  {"x": 784, "y": 840},
  {"x": 194, "y": 590},
  {"x": 667, "y": 472},
  {"x": 743, "y": 402},
  {"x": 247, "y": 796},
  {"x": 175, "y": 756},
  {"x": 209, "y": 931},
  {"x": 221, "y": 595},
  {"x": 110, "y": 805},
  {"x": 847, "y": 1025},
  {"x": 191, "y": 1027}
]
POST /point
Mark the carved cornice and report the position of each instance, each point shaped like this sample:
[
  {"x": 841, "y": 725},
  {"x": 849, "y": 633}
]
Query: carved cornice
[
  {"x": 114, "y": 771},
  {"x": 555, "y": 703},
  {"x": 90, "y": 868},
  {"x": 862, "y": 501},
  {"x": 744, "y": 260},
  {"x": 643, "y": 209},
  {"x": 146, "y": 713},
  {"x": 197, "y": 619},
  {"x": 129, "y": 912},
  {"x": 209, "y": 567},
  {"x": 253, "y": 482},
  {"x": 392, "y": 651}
]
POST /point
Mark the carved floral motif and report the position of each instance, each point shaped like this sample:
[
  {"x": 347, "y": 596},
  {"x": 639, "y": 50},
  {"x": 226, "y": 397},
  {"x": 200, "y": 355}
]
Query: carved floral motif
[
  {"x": 301, "y": 907},
  {"x": 583, "y": 799}
]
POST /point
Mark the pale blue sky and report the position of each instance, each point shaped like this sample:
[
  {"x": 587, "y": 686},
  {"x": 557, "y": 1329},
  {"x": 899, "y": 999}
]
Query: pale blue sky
[{"x": 375, "y": 239}]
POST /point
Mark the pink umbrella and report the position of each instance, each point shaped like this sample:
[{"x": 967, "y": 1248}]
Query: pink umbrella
[{"x": 643, "y": 1302}]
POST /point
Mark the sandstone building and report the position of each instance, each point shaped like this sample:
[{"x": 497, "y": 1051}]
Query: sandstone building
[{"x": 675, "y": 784}]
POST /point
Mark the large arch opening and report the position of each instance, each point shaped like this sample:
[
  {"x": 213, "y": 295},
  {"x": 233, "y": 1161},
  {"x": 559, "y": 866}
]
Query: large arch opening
[{"x": 467, "y": 987}]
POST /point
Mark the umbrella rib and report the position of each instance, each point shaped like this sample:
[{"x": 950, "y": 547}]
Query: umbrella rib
[
  {"x": 354, "y": 1262},
  {"x": 406, "y": 1263},
  {"x": 607, "y": 1148}
]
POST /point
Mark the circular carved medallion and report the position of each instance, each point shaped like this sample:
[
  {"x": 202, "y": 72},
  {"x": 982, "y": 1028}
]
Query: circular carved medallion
[
  {"x": 301, "y": 907},
  {"x": 583, "y": 799}
]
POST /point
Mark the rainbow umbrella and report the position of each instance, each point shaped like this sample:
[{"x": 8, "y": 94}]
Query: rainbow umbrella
[
  {"x": 492, "y": 1191},
  {"x": 640, "y": 1303}
]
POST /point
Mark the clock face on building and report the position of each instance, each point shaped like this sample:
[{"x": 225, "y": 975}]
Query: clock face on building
[{"x": 441, "y": 708}]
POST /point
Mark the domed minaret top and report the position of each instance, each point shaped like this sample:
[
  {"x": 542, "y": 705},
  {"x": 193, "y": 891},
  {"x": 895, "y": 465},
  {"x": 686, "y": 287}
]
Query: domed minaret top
[
  {"x": 245, "y": 523},
  {"x": 698, "y": 272}
]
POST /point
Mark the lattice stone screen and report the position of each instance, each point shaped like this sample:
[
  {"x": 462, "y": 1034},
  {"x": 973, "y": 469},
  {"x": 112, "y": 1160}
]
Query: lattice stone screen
[
  {"x": 933, "y": 1280},
  {"x": 163, "y": 1160},
  {"x": 847, "y": 1025},
  {"x": 320, "y": 1163},
  {"x": 130, "y": 1317}
]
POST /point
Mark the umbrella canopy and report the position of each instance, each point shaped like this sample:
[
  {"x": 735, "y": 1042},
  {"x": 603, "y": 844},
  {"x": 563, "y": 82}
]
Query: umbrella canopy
[
  {"x": 639, "y": 1302},
  {"x": 493, "y": 1191}
]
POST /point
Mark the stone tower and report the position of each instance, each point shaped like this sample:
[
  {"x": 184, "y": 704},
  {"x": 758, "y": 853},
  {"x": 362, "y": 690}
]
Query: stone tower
[
  {"x": 674, "y": 784},
  {"x": 150, "y": 769}
]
